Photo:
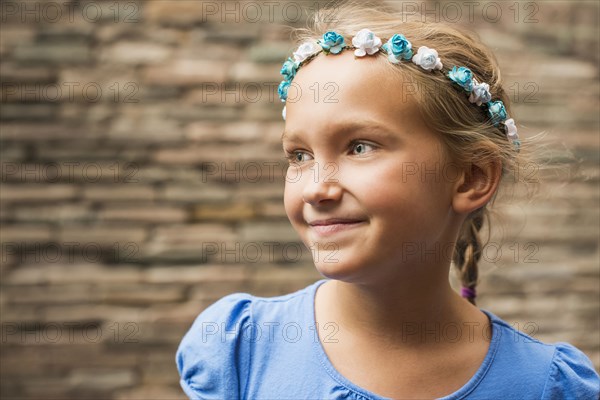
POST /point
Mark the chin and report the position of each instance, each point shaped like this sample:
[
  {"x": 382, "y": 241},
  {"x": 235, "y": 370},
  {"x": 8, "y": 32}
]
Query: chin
[{"x": 333, "y": 265}]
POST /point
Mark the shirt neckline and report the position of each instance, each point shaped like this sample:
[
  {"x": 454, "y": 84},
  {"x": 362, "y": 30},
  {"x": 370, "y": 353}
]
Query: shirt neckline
[{"x": 340, "y": 379}]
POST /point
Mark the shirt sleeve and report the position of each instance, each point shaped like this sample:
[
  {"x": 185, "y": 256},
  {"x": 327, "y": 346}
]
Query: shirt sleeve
[
  {"x": 572, "y": 375},
  {"x": 213, "y": 357}
]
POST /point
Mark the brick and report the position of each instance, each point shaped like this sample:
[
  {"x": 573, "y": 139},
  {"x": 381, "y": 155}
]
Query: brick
[
  {"x": 148, "y": 213},
  {"x": 57, "y": 21},
  {"x": 135, "y": 53},
  {"x": 29, "y": 233},
  {"x": 103, "y": 234},
  {"x": 112, "y": 33},
  {"x": 71, "y": 355},
  {"x": 149, "y": 94},
  {"x": 13, "y": 74},
  {"x": 236, "y": 131},
  {"x": 53, "y": 387},
  {"x": 57, "y": 173},
  {"x": 103, "y": 85},
  {"x": 222, "y": 112},
  {"x": 215, "y": 153},
  {"x": 28, "y": 112},
  {"x": 76, "y": 113},
  {"x": 101, "y": 379},
  {"x": 183, "y": 72},
  {"x": 85, "y": 314},
  {"x": 212, "y": 291},
  {"x": 140, "y": 295},
  {"x": 11, "y": 154},
  {"x": 21, "y": 313},
  {"x": 160, "y": 334},
  {"x": 270, "y": 53},
  {"x": 55, "y": 294},
  {"x": 15, "y": 35},
  {"x": 264, "y": 231},
  {"x": 226, "y": 212},
  {"x": 173, "y": 14},
  {"x": 119, "y": 192},
  {"x": 186, "y": 244},
  {"x": 140, "y": 125},
  {"x": 193, "y": 194},
  {"x": 183, "y": 315},
  {"x": 242, "y": 36},
  {"x": 53, "y": 214},
  {"x": 74, "y": 252},
  {"x": 271, "y": 209},
  {"x": 83, "y": 273},
  {"x": 77, "y": 53},
  {"x": 249, "y": 72},
  {"x": 197, "y": 274},
  {"x": 37, "y": 193},
  {"x": 204, "y": 131},
  {"x": 196, "y": 43},
  {"x": 167, "y": 174},
  {"x": 261, "y": 112},
  {"x": 263, "y": 192},
  {"x": 27, "y": 131},
  {"x": 79, "y": 151},
  {"x": 235, "y": 94}
]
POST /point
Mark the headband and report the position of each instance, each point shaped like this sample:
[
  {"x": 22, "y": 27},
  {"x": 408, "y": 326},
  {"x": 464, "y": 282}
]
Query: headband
[{"x": 398, "y": 49}]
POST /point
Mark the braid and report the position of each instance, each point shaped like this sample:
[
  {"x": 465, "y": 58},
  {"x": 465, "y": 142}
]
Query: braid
[{"x": 467, "y": 253}]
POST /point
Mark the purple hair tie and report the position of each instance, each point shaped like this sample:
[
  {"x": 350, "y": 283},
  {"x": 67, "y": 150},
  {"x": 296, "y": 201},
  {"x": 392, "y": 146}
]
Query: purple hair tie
[{"x": 467, "y": 292}]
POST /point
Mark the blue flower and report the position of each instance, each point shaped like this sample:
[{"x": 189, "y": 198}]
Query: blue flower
[
  {"x": 398, "y": 47},
  {"x": 332, "y": 42},
  {"x": 282, "y": 90},
  {"x": 497, "y": 112},
  {"x": 462, "y": 76},
  {"x": 289, "y": 69}
]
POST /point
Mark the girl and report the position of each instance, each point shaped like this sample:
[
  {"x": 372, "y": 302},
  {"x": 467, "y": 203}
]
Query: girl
[{"x": 398, "y": 136}]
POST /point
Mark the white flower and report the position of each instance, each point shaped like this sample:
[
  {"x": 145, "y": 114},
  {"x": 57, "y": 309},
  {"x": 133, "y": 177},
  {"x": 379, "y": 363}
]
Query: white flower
[
  {"x": 427, "y": 59},
  {"x": 283, "y": 113},
  {"x": 480, "y": 94},
  {"x": 305, "y": 50},
  {"x": 511, "y": 129},
  {"x": 366, "y": 42}
]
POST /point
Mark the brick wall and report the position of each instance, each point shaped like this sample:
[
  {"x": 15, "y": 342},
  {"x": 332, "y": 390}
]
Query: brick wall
[{"x": 142, "y": 179}]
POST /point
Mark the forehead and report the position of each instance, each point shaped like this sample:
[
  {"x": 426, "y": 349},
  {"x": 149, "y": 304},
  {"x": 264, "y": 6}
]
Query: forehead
[{"x": 339, "y": 89}]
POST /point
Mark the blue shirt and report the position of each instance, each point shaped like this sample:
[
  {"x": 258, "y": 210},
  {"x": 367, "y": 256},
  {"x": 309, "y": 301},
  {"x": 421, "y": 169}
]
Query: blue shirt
[{"x": 250, "y": 347}]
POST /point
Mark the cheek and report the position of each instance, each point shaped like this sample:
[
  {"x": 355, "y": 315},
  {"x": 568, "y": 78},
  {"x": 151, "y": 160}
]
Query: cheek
[
  {"x": 292, "y": 197},
  {"x": 398, "y": 193}
]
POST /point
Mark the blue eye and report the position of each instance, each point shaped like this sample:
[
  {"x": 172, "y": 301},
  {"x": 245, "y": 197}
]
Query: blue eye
[
  {"x": 355, "y": 145},
  {"x": 292, "y": 156}
]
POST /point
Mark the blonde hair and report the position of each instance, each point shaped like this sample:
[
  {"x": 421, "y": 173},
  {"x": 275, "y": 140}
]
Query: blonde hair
[{"x": 465, "y": 130}]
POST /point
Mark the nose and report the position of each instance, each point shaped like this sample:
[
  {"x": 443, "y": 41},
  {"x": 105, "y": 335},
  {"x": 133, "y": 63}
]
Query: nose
[{"x": 322, "y": 185}]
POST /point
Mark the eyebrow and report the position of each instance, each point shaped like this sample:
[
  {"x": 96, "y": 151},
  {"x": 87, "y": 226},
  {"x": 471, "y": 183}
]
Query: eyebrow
[{"x": 347, "y": 127}]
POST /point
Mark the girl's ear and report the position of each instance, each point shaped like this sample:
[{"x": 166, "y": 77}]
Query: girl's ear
[{"x": 476, "y": 186}]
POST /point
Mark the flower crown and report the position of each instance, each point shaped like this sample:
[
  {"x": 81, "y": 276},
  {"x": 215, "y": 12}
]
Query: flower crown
[{"x": 398, "y": 49}]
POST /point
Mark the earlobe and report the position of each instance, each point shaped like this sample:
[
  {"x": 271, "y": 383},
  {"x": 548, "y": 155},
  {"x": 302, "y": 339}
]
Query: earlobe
[{"x": 476, "y": 187}]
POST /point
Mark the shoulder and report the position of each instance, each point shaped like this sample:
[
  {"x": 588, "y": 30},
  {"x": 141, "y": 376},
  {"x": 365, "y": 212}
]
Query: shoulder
[
  {"x": 557, "y": 370},
  {"x": 571, "y": 374},
  {"x": 215, "y": 356},
  {"x": 211, "y": 356}
]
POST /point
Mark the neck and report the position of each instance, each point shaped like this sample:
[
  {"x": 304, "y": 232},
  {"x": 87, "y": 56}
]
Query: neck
[{"x": 401, "y": 311}]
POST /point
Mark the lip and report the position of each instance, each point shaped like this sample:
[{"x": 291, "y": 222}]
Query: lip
[
  {"x": 334, "y": 221},
  {"x": 332, "y": 228}
]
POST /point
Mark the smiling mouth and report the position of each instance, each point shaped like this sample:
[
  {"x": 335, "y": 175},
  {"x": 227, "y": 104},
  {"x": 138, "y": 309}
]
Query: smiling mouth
[{"x": 330, "y": 229}]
